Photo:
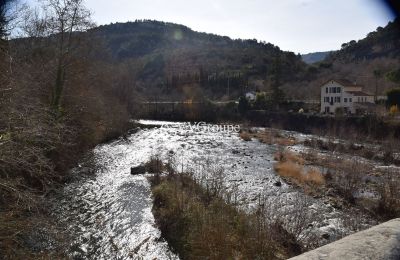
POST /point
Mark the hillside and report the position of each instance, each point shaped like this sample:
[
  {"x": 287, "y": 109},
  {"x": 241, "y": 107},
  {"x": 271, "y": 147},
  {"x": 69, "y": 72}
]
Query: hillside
[
  {"x": 171, "y": 61},
  {"x": 384, "y": 42},
  {"x": 314, "y": 57},
  {"x": 171, "y": 57},
  {"x": 368, "y": 62}
]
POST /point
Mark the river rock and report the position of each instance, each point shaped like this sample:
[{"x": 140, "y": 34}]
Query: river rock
[{"x": 141, "y": 169}]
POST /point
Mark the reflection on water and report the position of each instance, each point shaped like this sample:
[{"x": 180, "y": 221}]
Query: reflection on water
[{"x": 108, "y": 213}]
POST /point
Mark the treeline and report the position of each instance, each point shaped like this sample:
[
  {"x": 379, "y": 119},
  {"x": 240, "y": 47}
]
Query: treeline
[
  {"x": 384, "y": 41},
  {"x": 218, "y": 82}
]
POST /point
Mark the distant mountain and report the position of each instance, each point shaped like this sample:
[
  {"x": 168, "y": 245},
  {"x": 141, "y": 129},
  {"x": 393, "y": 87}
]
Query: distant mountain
[
  {"x": 170, "y": 57},
  {"x": 314, "y": 57}
]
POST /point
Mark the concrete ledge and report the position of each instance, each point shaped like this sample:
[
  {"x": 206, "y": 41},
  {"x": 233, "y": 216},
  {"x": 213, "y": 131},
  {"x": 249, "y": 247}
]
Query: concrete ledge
[{"x": 381, "y": 242}]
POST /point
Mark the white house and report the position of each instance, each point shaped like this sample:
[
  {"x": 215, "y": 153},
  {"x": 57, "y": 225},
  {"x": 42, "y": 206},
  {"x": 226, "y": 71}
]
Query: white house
[
  {"x": 251, "y": 96},
  {"x": 345, "y": 95}
]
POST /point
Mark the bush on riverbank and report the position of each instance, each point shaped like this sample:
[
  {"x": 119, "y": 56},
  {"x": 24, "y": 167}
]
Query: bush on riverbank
[
  {"x": 199, "y": 225},
  {"x": 290, "y": 165}
]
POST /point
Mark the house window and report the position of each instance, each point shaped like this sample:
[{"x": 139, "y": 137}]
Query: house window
[
  {"x": 338, "y": 90},
  {"x": 345, "y": 100},
  {"x": 326, "y": 90},
  {"x": 334, "y": 90},
  {"x": 350, "y": 100}
]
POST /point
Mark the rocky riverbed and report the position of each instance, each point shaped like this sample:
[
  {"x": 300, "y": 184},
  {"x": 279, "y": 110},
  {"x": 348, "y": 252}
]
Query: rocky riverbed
[{"x": 107, "y": 211}]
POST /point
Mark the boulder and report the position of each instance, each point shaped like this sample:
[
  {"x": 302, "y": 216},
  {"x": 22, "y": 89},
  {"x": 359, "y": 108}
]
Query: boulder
[{"x": 141, "y": 169}]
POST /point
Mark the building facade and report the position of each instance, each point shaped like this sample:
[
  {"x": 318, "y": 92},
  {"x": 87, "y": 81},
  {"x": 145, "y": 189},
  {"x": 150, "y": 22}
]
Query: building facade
[{"x": 345, "y": 96}]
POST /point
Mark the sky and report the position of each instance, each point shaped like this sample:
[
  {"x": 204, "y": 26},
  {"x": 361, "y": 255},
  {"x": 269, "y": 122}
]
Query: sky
[{"x": 301, "y": 26}]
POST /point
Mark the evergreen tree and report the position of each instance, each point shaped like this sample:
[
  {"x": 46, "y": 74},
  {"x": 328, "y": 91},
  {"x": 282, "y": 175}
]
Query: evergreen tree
[
  {"x": 278, "y": 96},
  {"x": 243, "y": 105},
  {"x": 393, "y": 97}
]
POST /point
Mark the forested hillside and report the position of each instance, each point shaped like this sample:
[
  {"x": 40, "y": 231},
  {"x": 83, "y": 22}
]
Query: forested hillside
[
  {"x": 168, "y": 58},
  {"x": 369, "y": 62},
  {"x": 314, "y": 57},
  {"x": 384, "y": 42},
  {"x": 169, "y": 61}
]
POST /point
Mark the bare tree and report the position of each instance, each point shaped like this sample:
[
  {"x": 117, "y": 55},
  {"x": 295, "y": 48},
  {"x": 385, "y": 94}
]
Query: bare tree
[{"x": 62, "y": 21}]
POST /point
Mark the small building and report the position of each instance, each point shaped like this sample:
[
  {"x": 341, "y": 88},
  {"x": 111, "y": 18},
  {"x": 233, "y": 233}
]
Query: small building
[
  {"x": 343, "y": 95},
  {"x": 251, "y": 96}
]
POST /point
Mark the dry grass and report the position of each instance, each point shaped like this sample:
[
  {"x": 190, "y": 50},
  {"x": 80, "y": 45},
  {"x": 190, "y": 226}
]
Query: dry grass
[
  {"x": 273, "y": 137},
  {"x": 285, "y": 156},
  {"x": 268, "y": 137},
  {"x": 199, "y": 227},
  {"x": 291, "y": 165},
  {"x": 315, "y": 176},
  {"x": 289, "y": 169},
  {"x": 245, "y": 136}
]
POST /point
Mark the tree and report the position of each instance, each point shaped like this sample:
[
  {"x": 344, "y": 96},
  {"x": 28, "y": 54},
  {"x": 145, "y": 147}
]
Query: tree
[
  {"x": 262, "y": 101},
  {"x": 394, "y": 110},
  {"x": 243, "y": 105},
  {"x": 3, "y": 20},
  {"x": 63, "y": 20},
  {"x": 377, "y": 75},
  {"x": 393, "y": 97},
  {"x": 393, "y": 75},
  {"x": 278, "y": 96}
]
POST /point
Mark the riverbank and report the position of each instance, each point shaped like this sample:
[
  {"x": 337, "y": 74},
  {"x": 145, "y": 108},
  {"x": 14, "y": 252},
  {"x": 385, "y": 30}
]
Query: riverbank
[
  {"x": 30, "y": 180},
  {"x": 350, "y": 127}
]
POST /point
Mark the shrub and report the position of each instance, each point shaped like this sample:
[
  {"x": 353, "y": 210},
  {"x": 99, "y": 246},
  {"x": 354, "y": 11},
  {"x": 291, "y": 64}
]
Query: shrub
[
  {"x": 291, "y": 165},
  {"x": 199, "y": 228},
  {"x": 394, "y": 110},
  {"x": 389, "y": 197},
  {"x": 245, "y": 136},
  {"x": 154, "y": 165}
]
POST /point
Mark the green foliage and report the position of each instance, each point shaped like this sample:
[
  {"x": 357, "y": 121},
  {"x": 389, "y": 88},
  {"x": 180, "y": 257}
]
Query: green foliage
[
  {"x": 384, "y": 42},
  {"x": 393, "y": 97},
  {"x": 393, "y": 75},
  {"x": 263, "y": 101}
]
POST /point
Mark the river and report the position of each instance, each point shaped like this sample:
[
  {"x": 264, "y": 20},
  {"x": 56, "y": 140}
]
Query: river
[{"x": 107, "y": 211}]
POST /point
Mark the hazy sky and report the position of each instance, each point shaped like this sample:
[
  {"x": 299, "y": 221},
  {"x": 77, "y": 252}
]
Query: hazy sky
[{"x": 296, "y": 25}]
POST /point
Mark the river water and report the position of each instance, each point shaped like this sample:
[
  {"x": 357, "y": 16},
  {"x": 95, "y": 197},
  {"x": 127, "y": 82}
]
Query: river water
[{"x": 107, "y": 211}]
